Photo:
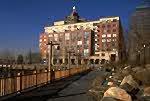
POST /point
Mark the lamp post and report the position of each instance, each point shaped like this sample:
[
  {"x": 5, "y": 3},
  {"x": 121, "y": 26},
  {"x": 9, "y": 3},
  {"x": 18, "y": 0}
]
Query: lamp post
[
  {"x": 69, "y": 59},
  {"x": 144, "y": 54},
  {"x": 51, "y": 44}
]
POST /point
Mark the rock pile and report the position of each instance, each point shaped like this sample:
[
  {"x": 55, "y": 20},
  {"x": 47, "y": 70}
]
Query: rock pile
[{"x": 126, "y": 84}]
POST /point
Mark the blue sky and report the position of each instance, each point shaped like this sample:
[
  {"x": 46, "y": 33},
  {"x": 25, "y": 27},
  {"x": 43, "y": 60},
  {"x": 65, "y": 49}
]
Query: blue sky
[{"x": 21, "y": 21}]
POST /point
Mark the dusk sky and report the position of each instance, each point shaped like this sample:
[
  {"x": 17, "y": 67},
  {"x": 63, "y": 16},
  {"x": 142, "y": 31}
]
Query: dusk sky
[{"x": 21, "y": 21}]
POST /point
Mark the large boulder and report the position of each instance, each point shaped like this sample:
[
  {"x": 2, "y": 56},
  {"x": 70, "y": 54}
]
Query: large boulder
[
  {"x": 143, "y": 77},
  {"x": 147, "y": 91},
  {"x": 129, "y": 79},
  {"x": 118, "y": 93}
]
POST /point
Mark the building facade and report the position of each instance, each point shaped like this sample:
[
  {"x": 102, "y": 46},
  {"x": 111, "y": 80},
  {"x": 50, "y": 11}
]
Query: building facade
[{"x": 86, "y": 41}]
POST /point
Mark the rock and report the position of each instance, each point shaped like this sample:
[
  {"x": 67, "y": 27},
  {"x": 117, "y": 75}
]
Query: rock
[
  {"x": 109, "y": 99},
  {"x": 118, "y": 93},
  {"x": 143, "y": 77},
  {"x": 147, "y": 91},
  {"x": 136, "y": 69},
  {"x": 144, "y": 98},
  {"x": 129, "y": 79}
]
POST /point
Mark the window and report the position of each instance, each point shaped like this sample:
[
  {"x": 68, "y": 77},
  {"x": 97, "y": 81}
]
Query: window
[
  {"x": 108, "y": 21},
  {"x": 81, "y": 26},
  {"x": 88, "y": 25},
  {"x": 108, "y": 40},
  {"x": 44, "y": 39},
  {"x": 55, "y": 37},
  {"x": 104, "y": 31},
  {"x": 50, "y": 35},
  {"x": 113, "y": 40},
  {"x": 114, "y": 20},
  {"x": 103, "y": 54},
  {"x": 40, "y": 40},
  {"x": 103, "y": 21},
  {"x": 103, "y": 40},
  {"x": 86, "y": 51},
  {"x": 108, "y": 26},
  {"x": 108, "y": 35},
  {"x": 114, "y": 30},
  {"x": 66, "y": 36},
  {"x": 95, "y": 24},
  {"x": 79, "y": 42},
  {"x": 94, "y": 29},
  {"x": 104, "y": 35},
  {"x": 114, "y": 35},
  {"x": 108, "y": 31},
  {"x": 60, "y": 37},
  {"x": 79, "y": 36},
  {"x": 69, "y": 27},
  {"x": 75, "y": 26},
  {"x": 103, "y": 26},
  {"x": 114, "y": 25}
]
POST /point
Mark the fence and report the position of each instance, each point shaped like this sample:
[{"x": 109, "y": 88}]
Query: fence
[{"x": 21, "y": 82}]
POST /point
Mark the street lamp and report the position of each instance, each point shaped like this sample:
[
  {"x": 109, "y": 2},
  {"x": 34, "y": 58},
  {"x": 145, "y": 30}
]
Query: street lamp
[
  {"x": 51, "y": 44},
  {"x": 144, "y": 54}
]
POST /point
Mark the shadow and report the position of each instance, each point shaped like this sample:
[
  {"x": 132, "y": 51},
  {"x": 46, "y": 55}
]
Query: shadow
[
  {"x": 48, "y": 91},
  {"x": 53, "y": 97}
]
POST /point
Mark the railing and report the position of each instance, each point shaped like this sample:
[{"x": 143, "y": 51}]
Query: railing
[{"x": 21, "y": 82}]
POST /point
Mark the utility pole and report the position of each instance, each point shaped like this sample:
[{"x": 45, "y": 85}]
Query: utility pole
[{"x": 51, "y": 44}]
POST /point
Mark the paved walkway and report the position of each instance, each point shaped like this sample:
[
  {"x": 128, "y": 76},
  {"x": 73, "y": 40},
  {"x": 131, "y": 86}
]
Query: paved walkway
[{"x": 77, "y": 90}]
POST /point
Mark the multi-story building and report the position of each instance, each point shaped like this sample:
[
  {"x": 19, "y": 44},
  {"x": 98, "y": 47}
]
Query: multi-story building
[
  {"x": 94, "y": 41},
  {"x": 139, "y": 33}
]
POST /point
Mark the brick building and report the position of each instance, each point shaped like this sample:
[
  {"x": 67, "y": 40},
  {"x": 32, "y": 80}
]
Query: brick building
[{"x": 94, "y": 41}]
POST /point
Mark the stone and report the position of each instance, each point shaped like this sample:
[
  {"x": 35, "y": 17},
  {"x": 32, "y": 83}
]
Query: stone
[
  {"x": 118, "y": 93},
  {"x": 143, "y": 77},
  {"x": 109, "y": 99},
  {"x": 147, "y": 91},
  {"x": 129, "y": 79}
]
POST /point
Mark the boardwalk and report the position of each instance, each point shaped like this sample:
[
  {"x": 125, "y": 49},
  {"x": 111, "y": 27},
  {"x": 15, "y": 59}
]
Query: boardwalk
[{"x": 69, "y": 89}]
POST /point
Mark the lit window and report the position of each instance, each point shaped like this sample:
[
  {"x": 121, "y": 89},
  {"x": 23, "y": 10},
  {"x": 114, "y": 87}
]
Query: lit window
[
  {"x": 108, "y": 35},
  {"x": 114, "y": 35},
  {"x": 40, "y": 40},
  {"x": 103, "y": 40},
  {"x": 44, "y": 39},
  {"x": 79, "y": 42},
  {"x": 104, "y": 35}
]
